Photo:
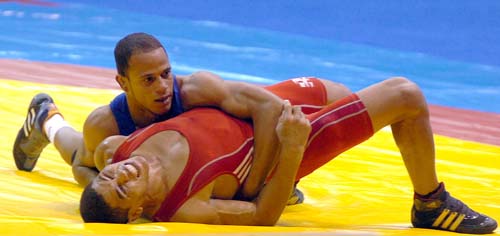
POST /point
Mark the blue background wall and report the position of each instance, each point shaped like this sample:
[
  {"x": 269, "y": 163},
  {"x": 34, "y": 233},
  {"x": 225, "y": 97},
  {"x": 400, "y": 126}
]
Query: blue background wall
[{"x": 450, "y": 48}]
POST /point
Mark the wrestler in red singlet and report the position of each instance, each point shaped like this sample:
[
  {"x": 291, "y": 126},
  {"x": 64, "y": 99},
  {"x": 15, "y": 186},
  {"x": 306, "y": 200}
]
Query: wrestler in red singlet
[{"x": 221, "y": 144}]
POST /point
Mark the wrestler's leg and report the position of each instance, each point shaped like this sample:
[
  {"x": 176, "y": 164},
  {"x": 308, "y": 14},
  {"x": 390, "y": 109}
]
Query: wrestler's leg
[
  {"x": 67, "y": 141},
  {"x": 309, "y": 91},
  {"x": 401, "y": 104},
  {"x": 41, "y": 125},
  {"x": 335, "y": 91}
]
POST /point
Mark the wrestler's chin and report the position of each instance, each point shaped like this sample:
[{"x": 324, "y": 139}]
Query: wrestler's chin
[{"x": 163, "y": 107}]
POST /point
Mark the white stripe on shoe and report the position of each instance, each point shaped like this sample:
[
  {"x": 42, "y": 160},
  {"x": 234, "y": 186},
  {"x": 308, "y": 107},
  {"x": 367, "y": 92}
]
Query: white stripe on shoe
[{"x": 29, "y": 120}]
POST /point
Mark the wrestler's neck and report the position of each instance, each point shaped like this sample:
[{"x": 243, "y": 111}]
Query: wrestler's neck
[{"x": 141, "y": 116}]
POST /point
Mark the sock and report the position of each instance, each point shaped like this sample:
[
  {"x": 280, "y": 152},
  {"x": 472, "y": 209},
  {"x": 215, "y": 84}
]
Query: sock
[
  {"x": 432, "y": 195},
  {"x": 54, "y": 124}
]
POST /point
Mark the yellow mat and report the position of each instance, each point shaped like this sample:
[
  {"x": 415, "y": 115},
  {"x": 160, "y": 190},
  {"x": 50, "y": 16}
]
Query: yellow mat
[{"x": 364, "y": 191}]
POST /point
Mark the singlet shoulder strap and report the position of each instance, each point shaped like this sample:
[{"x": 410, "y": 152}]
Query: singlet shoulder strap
[{"x": 119, "y": 108}]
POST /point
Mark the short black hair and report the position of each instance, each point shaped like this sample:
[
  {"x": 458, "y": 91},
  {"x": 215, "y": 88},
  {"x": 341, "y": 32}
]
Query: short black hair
[
  {"x": 130, "y": 44},
  {"x": 93, "y": 208}
]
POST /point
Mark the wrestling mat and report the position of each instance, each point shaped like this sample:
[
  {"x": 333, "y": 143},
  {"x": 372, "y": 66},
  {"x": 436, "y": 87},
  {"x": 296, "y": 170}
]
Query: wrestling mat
[{"x": 365, "y": 191}]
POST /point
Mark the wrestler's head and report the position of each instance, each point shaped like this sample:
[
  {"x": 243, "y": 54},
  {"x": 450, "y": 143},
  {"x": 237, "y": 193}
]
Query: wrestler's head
[
  {"x": 145, "y": 74},
  {"x": 117, "y": 194}
]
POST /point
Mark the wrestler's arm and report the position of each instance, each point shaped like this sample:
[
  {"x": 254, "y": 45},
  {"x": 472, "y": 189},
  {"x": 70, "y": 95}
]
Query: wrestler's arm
[
  {"x": 293, "y": 131},
  {"x": 272, "y": 199},
  {"x": 98, "y": 125},
  {"x": 245, "y": 101},
  {"x": 104, "y": 152}
]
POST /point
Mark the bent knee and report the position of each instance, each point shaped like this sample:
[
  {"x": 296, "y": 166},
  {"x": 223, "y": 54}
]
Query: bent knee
[{"x": 409, "y": 94}]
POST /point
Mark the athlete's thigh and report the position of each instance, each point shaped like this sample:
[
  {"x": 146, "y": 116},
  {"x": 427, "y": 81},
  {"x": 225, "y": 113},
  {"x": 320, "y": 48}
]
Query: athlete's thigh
[
  {"x": 305, "y": 91},
  {"x": 334, "y": 91}
]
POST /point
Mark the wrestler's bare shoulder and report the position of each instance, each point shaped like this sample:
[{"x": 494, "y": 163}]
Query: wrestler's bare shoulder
[
  {"x": 102, "y": 117},
  {"x": 196, "y": 77},
  {"x": 99, "y": 125}
]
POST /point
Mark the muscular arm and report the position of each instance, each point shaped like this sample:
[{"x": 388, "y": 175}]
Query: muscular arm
[
  {"x": 98, "y": 125},
  {"x": 293, "y": 130},
  {"x": 245, "y": 101}
]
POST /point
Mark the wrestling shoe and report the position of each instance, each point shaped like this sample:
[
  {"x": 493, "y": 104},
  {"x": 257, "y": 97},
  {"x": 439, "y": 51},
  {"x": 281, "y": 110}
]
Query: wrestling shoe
[
  {"x": 31, "y": 140},
  {"x": 296, "y": 197},
  {"x": 449, "y": 213}
]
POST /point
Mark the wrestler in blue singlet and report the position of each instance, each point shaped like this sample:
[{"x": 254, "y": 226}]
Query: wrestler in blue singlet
[{"x": 122, "y": 115}]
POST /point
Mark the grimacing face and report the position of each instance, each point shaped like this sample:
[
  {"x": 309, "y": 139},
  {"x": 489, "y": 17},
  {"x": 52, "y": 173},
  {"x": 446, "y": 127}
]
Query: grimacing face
[
  {"x": 151, "y": 80},
  {"x": 123, "y": 184}
]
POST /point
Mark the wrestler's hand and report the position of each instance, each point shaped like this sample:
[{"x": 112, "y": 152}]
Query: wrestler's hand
[
  {"x": 293, "y": 127},
  {"x": 104, "y": 152}
]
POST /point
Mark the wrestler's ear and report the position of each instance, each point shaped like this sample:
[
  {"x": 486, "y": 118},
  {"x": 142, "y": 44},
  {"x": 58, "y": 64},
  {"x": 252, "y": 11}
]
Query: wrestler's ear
[
  {"x": 122, "y": 81},
  {"x": 134, "y": 213}
]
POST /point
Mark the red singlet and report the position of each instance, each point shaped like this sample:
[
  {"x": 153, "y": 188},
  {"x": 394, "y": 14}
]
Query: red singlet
[{"x": 220, "y": 144}]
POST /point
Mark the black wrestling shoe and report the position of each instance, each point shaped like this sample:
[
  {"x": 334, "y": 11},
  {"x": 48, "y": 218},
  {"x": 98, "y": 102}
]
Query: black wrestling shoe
[
  {"x": 449, "y": 213},
  {"x": 296, "y": 197},
  {"x": 31, "y": 140}
]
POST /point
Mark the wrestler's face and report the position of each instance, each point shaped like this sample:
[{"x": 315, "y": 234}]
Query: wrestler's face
[
  {"x": 123, "y": 184},
  {"x": 150, "y": 81}
]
